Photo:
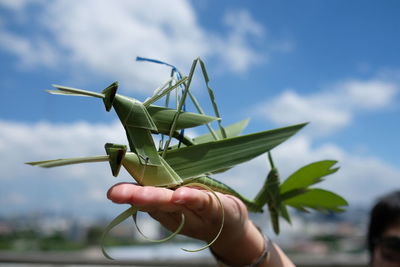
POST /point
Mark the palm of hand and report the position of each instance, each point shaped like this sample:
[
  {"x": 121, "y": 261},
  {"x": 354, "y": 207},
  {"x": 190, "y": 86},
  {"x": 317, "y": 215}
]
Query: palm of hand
[{"x": 201, "y": 209}]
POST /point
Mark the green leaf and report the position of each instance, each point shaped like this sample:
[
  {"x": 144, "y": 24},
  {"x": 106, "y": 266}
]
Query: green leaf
[
  {"x": 231, "y": 131},
  {"x": 207, "y": 157},
  {"x": 185, "y": 140},
  {"x": 308, "y": 175},
  {"x": 165, "y": 239},
  {"x": 201, "y": 111},
  {"x": 317, "y": 199},
  {"x": 117, "y": 220},
  {"x": 116, "y": 154},
  {"x": 163, "y": 118},
  {"x": 164, "y": 92},
  {"x": 65, "y": 90},
  {"x": 212, "y": 97},
  {"x": 152, "y": 175},
  {"x": 194, "y": 184},
  {"x": 68, "y": 161},
  {"x": 141, "y": 142},
  {"x": 132, "y": 113},
  {"x": 285, "y": 213},
  {"x": 293, "y": 193},
  {"x": 109, "y": 95}
]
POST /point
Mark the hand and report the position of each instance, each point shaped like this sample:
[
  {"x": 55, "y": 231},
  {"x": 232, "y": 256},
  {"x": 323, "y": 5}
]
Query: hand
[
  {"x": 239, "y": 243},
  {"x": 202, "y": 211}
]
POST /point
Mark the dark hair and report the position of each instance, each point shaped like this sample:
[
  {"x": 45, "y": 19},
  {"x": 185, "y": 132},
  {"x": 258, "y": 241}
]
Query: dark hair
[{"x": 384, "y": 214}]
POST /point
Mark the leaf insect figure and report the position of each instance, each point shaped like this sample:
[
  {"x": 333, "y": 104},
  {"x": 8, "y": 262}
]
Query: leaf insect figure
[{"x": 192, "y": 161}]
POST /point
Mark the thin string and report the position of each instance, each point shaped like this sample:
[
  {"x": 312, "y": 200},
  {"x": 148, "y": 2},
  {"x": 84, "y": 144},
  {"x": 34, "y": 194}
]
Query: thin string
[{"x": 178, "y": 75}]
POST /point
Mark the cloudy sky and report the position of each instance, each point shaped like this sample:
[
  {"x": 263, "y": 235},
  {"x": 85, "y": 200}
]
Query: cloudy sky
[{"x": 333, "y": 64}]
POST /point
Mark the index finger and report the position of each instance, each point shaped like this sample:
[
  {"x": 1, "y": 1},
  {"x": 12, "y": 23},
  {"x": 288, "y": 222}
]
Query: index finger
[{"x": 146, "y": 198}]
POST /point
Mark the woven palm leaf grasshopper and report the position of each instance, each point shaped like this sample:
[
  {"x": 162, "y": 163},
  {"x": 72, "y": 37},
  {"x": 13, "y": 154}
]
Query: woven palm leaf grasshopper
[{"x": 194, "y": 160}]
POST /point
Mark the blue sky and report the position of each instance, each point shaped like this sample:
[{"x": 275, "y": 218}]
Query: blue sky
[{"x": 333, "y": 63}]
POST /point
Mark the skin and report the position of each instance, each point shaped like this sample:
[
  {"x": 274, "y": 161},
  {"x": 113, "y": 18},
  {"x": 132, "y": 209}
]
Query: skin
[
  {"x": 378, "y": 260},
  {"x": 240, "y": 243}
]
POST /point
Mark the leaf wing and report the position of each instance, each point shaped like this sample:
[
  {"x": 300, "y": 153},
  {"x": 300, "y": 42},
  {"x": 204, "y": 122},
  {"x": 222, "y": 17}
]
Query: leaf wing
[
  {"x": 68, "y": 161},
  {"x": 65, "y": 90},
  {"x": 207, "y": 157},
  {"x": 317, "y": 199},
  {"x": 231, "y": 131},
  {"x": 163, "y": 118},
  {"x": 308, "y": 175}
]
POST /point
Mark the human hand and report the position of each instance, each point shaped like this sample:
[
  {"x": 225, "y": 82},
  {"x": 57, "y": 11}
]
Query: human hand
[
  {"x": 201, "y": 209},
  {"x": 240, "y": 243}
]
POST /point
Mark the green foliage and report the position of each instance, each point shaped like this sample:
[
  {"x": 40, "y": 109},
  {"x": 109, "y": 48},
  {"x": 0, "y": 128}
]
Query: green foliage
[
  {"x": 317, "y": 199},
  {"x": 308, "y": 175},
  {"x": 296, "y": 191},
  {"x": 196, "y": 160}
]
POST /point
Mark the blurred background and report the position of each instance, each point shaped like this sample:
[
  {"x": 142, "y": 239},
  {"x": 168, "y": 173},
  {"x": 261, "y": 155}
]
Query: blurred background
[{"x": 332, "y": 63}]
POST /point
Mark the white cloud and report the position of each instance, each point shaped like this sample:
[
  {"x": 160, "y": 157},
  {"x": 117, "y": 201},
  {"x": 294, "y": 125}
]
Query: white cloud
[
  {"x": 104, "y": 37},
  {"x": 372, "y": 94},
  {"x": 242, "y": 26},
  {"x": 30, "y": 53},
  {"x": 291, "y": 107},
  {"x": 44, "y": 139},
  {"x": 28, "y": 188},
  {"x": 331, "y": 109}
]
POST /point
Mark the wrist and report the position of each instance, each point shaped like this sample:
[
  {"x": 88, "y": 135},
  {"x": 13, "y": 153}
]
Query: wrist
[{"x": 246, "y": 249}]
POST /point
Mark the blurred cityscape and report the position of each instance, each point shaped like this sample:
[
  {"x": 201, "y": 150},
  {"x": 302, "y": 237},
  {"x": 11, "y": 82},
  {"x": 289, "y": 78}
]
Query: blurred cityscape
[{"x": 310, "y": 238}]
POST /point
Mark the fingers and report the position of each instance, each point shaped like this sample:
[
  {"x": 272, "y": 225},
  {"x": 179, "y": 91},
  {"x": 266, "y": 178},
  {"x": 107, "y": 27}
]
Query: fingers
[
  {"x": 202, "y": 209},
  {"x": 149, "y": 198},
  {"x": 196, "y": 200},
  {"x": 188, "y": 200},
  {"x": 146, "y": 198},
  {"x": 205, "y": 203}
]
